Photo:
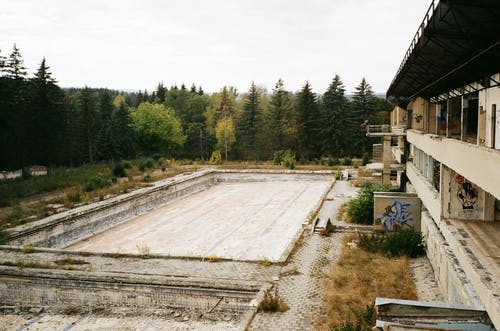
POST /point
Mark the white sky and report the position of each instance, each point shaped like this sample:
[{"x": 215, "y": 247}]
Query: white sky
[{"x": 132, "y": 44}]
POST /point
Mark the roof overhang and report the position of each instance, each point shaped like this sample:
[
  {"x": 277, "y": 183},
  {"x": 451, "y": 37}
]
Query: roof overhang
[{"x": 458, "y": 42}]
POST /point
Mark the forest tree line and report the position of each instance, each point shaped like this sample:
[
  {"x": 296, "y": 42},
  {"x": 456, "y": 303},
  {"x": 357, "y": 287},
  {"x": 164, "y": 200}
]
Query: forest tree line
[{"x": 43, "y": 124}]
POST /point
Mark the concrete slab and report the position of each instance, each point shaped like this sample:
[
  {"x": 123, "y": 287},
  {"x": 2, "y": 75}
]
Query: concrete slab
[{"x": 240, "y": 221}]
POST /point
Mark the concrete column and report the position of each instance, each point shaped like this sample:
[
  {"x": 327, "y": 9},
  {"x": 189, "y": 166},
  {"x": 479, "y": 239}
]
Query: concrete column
[
  {"x": 386, "y": 160},
  {"x": 489, "y": 207},
  {"x": 448, "y": 117}
]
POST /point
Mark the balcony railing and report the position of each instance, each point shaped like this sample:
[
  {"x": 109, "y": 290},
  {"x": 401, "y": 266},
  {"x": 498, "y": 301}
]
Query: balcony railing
[{"x": 385, "y": 130}]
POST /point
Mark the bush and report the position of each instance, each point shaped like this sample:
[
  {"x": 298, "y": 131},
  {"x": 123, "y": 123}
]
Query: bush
[
  {"x": 360, "y": 209},
  {"x": 74, "y": 196},
  {"x": 142, "y": 165},
  {"x": 288, "y": 159},
  {"x": 215, "y": 158},
  {"x": 149, "y": 163},
  {"x": 272, "y": 303},
  {"x": 95, "y": 183},
  {"x": 156, "y": 156},
  {"x": 365, "y": 159},
  {"x": 400, "y": 242},
  {"x": 347, "y": 161},
  {"x": 3, "y": 236},
  {"x": 278, "y": 157},
  {"x": 119, "y": 170},
  {"x": 147, "y": 178},
  {"x": 126, "y": 164},
  {"x": 333, "y": 161},
  {"x": 114, "y": 180}
]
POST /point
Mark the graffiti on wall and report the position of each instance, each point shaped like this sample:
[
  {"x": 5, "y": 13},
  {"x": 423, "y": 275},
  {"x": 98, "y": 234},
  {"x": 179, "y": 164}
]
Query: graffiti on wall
[
  {"x": 467, "y": 194},
  {"x": 397, "y": 213}
]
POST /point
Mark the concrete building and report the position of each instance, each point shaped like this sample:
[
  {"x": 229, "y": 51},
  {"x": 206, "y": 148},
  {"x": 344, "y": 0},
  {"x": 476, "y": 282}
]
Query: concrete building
[{"x": 447, "y": 92}]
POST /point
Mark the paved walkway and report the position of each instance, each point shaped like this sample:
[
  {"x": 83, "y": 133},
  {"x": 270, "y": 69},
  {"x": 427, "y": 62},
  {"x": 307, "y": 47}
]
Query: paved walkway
[{"x": 303, "y": 292}]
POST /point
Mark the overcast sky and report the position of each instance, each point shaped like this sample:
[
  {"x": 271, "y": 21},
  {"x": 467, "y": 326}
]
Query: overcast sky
[{"x": 132, "y": 44}]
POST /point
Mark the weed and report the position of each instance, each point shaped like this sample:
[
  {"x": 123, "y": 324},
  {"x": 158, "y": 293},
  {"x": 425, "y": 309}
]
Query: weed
[
  {"x": 272, "y": 303},
  {"x": 143, "y": 250},
  {"x": 364, "y": 320},
  {"x": 266, "y": 263},
  {"x": 288, "y": 159},
  {"x": 400, "y": 242},
  {"x": 75, "y": 196},
  {"x": 213, "y": 258},
  {"x": 147, "y": 178},
  {"x": 28, "y": 248}
]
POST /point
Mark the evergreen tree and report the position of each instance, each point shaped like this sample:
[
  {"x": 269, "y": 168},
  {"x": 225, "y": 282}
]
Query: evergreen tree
[
  {"x": 45, "y": 117},
  {"x": 193, "y": 88},
  {"x": 87, "y": 109},
  {"x": 200, "y": 91},
  {"x": 362, "y": 109},
  {"x": 308, "y": 120},
  {"x": 104, "y": 136},
  {"x": 280, "y": 127},
  {"x": 249, "y": 123},
  {"x": 122, "y": 135},
  {"x": 14, "y": 66},
  {"x": 334, "y": 134},
  {"x": 160, "y": 92},
  {"x": 2, "y": 63}
]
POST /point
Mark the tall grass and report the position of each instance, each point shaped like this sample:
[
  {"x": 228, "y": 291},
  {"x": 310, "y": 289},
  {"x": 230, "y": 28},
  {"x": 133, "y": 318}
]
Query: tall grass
[{"x": 357, "y": 278}]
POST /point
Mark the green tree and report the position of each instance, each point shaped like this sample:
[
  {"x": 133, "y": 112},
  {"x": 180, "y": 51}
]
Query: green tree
[
  {"x": 87, "y": 109},
  {"x": 160, "y": 92},
  {"x": 250, "y": 123},
  {"x": 46, "y": 118},
  {"x": 104, "y": 136},
  {"x": 122, "y": 134},
  {"x": 334, "y": 134},
  {"x": 225, "y": 133},
  {"x": 280, "y": 127},
  {"x": 308, "y": 121},
  {"x": 157, "y": 128},
  {"x": 362, "y": 109}
]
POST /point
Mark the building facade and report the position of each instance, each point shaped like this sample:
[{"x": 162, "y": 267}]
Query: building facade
[{"x": 447, "y": 92}]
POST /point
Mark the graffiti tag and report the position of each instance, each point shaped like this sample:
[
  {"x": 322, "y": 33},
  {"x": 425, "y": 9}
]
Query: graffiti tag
[{"x": 398, "y": 213}]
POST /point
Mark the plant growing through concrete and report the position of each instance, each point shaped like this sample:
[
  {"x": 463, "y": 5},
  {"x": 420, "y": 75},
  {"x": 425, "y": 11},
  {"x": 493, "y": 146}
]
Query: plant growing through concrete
[
  {"x": 265, "y": 263},
  {"x": 213, "y": 258},
  {"x": 28, "y": 248},
  {"x": 360, "y": 209},
  {"x": 143, "y": 250},
  {"x": 272, "y": 303}
]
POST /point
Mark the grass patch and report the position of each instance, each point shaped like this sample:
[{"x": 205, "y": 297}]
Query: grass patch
[
  {"x": 357, "y": 278},
  {"x": 28, "y": 248},
  {"x": 266, "y": 263},
  {"x": 272, "y": 303}
]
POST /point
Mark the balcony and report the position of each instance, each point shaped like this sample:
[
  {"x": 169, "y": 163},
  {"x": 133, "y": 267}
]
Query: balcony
[
  {"x": 479, "y": 164},
  {"x": 385, "y": 130}
]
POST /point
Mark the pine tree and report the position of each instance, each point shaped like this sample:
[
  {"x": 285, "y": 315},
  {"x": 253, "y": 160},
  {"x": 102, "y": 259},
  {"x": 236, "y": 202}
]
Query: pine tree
[
  {"x": 280, "y": 126},
  {"x": 87, "y": 109},
  {"x": 104, "y": 138},
  {"x": 45, "y": 118},
  {"x": 14, "y": 66},
  {"x": 308, "y": 120},
  {"x": 334, "y": 132},
  {"x": 193, "y": 88},
  {"x": 122, "y": 135},
  {"x": 362, "y": 109},
  {"x": 2, "y": 63},
  {"x": 200, "y": 91},
  {"x": 249, "y": 123},
  {"x": 160, "y": 92}
]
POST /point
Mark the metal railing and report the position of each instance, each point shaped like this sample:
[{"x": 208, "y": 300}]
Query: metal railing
[{"x": 416, "y": 38}]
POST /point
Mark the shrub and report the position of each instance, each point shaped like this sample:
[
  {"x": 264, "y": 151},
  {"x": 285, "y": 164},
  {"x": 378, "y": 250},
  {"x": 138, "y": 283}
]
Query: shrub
[
  {"x": 126, "y": 164},
  {"x": 142, "y": 165},
  {"x": 119, "y": 170},
  {"x": 74, "y": 196},
  {"x": 114, "y": 180},
  {"x": 365, "y": 159},
  {"x": 149, "y": 163},
  {"x": 278, "y": 157},
  {"x": 95, "y": 183},
  {"x": 156, "y": 156},
  {"x": 347, "y": 161},
  {"x": 215, "y": 158},
  {"x": 288, "y": 159},
  {"x": 147, "y": 178},
  {"x": 28, "y": 248},
  {"x": 333, "y": 161},
  {"x": 3, "y": 236},
  {"x": 360, "y": 209},
  {"x": 400, "y": 242}
]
